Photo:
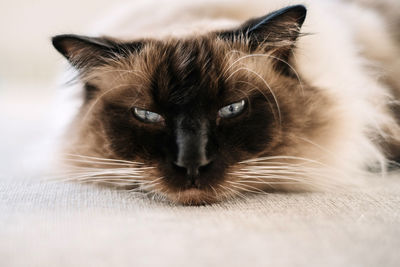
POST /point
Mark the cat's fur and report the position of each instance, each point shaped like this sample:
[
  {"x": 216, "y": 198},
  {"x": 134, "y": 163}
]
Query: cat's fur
[{"x": 317, "y": 114}]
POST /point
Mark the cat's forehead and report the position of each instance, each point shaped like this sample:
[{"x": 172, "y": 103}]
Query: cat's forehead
[
  {"x": 185, "y": 72},
  {"x": 191, "y": 72}
]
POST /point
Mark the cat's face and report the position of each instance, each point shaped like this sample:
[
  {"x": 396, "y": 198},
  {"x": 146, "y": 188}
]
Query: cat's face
[{"x": 192, "y": 111}]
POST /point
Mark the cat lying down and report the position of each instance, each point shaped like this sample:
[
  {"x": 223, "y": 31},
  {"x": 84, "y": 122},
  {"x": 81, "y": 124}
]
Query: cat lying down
[{"x": 201, "y": 101}]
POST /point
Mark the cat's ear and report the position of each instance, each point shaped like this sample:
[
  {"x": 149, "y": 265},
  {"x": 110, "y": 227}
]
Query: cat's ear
[
  {"x": 276, "y": 32},
  {"x": 85, "y": 52}
]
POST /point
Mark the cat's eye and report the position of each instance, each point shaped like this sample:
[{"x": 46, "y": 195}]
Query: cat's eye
[
  {"x": 232, "y": 110},
  {"x": 147, "y": 116}
]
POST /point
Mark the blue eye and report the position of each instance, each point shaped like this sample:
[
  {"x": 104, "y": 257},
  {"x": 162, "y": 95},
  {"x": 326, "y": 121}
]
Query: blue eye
[
  {"x": 147, "y": 116},
  {"x": 232, "y": 109}
]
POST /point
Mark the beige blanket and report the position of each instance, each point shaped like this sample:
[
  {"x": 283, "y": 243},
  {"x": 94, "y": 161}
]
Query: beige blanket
[{"x": 56, "y": 224}]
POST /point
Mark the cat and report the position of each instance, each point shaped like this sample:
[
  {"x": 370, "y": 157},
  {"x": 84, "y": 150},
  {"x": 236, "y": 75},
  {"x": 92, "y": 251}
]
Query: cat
[{"x": 202, "y": 101}]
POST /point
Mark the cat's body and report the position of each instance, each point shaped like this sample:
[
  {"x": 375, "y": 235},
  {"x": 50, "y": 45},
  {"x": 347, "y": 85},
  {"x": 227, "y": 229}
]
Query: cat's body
[{"x": 317, "y": 122}]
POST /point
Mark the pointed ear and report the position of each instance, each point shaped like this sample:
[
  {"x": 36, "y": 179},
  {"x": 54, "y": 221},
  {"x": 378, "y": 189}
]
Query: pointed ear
[
  {"x": 277, "y": 31},
  {"x": 84, "y": 52}
]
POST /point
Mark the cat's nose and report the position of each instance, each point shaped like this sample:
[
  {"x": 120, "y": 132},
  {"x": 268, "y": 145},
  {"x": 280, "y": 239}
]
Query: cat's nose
[
  {"x": 191, "y": 141},
  {"x": 193, "y": 170}
]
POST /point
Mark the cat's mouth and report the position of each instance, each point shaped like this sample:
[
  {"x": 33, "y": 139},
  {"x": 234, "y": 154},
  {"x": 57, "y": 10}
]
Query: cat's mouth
[{"x": 193, "y": 196}]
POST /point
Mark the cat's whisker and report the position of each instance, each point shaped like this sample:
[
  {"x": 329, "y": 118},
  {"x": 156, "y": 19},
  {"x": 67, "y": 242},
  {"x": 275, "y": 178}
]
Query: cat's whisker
[
  {"x": 289, "y": 171},
  {"x": 89, "y": 163},
  {"x": 274, "y": 171},
  {"x": 103, "y": 179},
  {"x": 214, "y": 190},
  {"x": 151, "y": 186},
  {"x": 233, "y": 191},
  {"x": 317, "y": 183},
  {"x": 256, "y": 181},
  {"x": 271, "y": 158},
  {"x": 120, "y": 177},
  {"x": 102, "y": 159},
  {"x": 101, "y": 171},
  {"x": 104, "y": 172},
  {"x": 96, "y": 165},
  {"x": 82, "y": 173},
  {"x": 247, "y": 187},
  {"x": 308, "y": 163},
  {"x": 98, "y": 172},
  {"x": 271, "y": 169},
  {"x": 281, "y": 177},
  {"x": 301, "y": 173},
  {"x": 279, "y": 157}
]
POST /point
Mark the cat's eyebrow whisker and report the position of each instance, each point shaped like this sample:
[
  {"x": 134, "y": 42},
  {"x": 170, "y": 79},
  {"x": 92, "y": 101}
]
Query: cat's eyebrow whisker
[
  {"x": 267, "y": 86},
  {"x": 268, "y": 56},
  {"x": 253, "y": 88},
  {"x": 226, "y": 62},
  {"x": 96, "y": 101},
  {"x": 96, "y": 72}
]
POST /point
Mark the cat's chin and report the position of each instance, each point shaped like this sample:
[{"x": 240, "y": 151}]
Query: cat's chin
[{"x": 193, "y": 196}]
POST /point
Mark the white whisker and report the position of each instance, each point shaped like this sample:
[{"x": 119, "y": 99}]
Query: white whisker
[
  {"x": 103, "y": 159},
  {"x": 268, "y": 87}
]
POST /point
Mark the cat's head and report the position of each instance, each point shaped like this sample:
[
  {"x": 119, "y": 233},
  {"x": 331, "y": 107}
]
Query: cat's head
[{"x": 193, "y": 118}]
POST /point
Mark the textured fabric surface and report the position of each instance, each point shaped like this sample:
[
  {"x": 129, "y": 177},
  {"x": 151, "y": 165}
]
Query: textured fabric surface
[
  {"x": 66, "y": 224},
  {"x": 62, "y": 224}
]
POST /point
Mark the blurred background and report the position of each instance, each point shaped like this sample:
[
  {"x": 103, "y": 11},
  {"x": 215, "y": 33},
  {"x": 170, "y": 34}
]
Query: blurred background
[{"x": 30, "y": 67}]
